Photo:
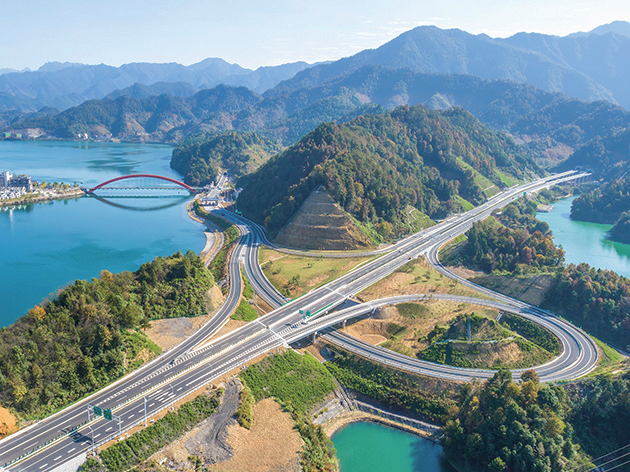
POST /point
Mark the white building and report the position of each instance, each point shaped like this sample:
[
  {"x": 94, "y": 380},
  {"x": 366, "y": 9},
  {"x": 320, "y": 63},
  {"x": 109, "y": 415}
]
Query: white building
[{"x": 5, "y": 179}]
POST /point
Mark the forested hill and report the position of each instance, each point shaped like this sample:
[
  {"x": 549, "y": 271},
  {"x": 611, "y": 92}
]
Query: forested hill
[
  {"x": 376, "y": 166},
  {"x": 200, "y": 158},
  {"x": 607, "y": 156}
]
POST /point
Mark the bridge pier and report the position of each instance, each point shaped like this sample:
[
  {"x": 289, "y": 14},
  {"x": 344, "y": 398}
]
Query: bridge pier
[{"x": 314, "y": 336}]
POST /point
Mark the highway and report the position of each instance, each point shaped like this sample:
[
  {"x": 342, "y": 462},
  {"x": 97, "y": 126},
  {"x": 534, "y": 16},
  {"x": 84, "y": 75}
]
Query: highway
[{"x": 187, "y": 367}]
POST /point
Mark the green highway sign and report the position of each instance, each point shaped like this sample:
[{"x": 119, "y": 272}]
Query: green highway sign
[
  {"x": 98, "y": 411},
  {"x": 107, "y": 414}
]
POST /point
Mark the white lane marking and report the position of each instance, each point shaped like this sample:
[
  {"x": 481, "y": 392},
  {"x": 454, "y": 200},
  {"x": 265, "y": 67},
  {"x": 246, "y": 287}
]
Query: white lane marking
[
  {"x": 179, "y": 389},
  {"x": 151, "y": 404},
  {"x": 72, "y": 449},
  {"x": 57, "y": 458},
  {"x": 96, "y": 435},
  {"x": 108, "y": 428},
  {"x": 131, "y": 416},
  {"x": 43, "y": 465}
]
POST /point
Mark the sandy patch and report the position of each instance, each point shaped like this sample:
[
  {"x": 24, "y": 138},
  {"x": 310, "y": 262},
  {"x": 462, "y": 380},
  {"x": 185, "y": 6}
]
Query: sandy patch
[
  {"x": 373, "y": 338},
  {"x": 7, "y": 422},
  {"x": 465, "y": 273},
  {"x": 272, "y": 444}
]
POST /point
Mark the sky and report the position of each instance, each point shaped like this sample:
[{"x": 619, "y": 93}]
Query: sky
[{"x": 255, "y": 33}]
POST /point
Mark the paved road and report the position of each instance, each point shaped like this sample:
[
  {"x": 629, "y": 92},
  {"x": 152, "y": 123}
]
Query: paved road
[{"x": 186, "y": 368}]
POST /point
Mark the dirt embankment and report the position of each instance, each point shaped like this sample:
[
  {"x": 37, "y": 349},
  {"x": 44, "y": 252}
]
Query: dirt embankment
[
  {"x": 8, "y": 423},
  {"x": 320, "y": 223}
]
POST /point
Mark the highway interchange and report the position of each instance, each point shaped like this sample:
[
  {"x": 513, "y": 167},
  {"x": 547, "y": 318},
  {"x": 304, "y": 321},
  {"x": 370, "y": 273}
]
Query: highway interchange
[{"x": 193, "y": 364}]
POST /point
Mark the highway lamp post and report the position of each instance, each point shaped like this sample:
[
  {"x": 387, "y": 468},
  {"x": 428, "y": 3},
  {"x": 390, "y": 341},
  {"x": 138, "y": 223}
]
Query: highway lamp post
[{"x": 92, "y": 440}]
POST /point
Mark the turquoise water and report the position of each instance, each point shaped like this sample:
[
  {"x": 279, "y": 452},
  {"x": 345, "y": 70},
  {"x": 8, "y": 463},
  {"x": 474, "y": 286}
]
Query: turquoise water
[
  {"x": 45, "y": 246},
  {"x": 373, "y": 447},
  {"x": 586, "y": 242}
]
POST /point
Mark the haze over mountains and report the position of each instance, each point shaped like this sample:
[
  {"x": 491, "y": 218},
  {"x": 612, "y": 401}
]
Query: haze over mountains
[
  {"x": 64, "y": 85},
  {"x": 588, "y": 66}
]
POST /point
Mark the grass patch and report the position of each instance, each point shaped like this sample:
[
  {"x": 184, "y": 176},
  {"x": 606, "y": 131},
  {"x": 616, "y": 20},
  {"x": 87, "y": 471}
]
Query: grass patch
[
  {"x": 416, "y": 276},
  {"x": 248, "y": 291},
  {"x": 395, "y": 330},
  {"x": 137, "y": 343},
  {"x": 296, "y": 275},
  {"x": 506, "y": 179},
  {"x": 610, "y": 360},
  {"x": 487, "y": 186},
  {"x": 464, "y": 205},
  {"x": 245, "y": 411},
  {"x": 533, "y": 332},
  {"x": 300, "y": 380},
  {"x": 245, "y": 312},
  {"x": 413, "y": 310},
  {"x": 416, "y": 220}
]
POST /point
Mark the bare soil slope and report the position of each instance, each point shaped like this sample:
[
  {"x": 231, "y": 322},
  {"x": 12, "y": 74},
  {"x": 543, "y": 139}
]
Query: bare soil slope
[{"x": 321, "y": 224}]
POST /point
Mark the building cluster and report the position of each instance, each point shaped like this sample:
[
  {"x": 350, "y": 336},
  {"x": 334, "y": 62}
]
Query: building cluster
[{"x": 14, "y": 186}]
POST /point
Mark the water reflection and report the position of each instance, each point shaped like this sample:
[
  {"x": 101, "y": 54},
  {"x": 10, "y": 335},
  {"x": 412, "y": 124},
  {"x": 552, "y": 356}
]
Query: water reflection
[{"x": 125, "y": 202}]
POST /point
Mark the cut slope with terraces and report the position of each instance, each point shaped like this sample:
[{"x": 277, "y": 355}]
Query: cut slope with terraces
[{"x": 322, "y": 224}]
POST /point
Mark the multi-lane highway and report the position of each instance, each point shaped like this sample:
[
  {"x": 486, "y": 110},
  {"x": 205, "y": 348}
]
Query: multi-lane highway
[{"x": 188, "y": 367}]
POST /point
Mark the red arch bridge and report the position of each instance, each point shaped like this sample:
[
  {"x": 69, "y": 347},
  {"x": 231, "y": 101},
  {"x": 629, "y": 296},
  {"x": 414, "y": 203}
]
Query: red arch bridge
[{"x": 142, "y": 182}]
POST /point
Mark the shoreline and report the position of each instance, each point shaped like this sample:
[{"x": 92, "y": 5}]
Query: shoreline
[
  {"x": 344, "y": 419},
  {"x": 77, "y": 193}
]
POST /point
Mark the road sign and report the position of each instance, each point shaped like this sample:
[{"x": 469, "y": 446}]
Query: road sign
[
  {"x": 107, "y": 414},
  {"x": 98, "y": 411}
]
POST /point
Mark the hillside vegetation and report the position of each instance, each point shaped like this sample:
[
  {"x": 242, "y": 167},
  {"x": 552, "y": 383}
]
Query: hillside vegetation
[
  {"x": 87, "y": 336},
  {"x": 609, "y": 203},
  {"x": 375, "y": 166},
  {"x": 501, "y": 425},
  {"x": 512, "y": 240},
  {"x": 200, "y": 158}
]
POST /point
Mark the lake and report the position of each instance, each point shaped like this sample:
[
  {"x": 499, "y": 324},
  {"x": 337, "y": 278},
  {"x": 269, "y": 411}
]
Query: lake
[
  {"x": 372, "y": 447},
  {"x": 45, "y": 246},
  {"x": 586, "y": 242}
]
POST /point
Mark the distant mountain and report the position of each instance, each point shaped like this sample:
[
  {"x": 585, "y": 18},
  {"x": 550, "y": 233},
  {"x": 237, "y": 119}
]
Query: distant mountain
[
  {"x": 551, "y": 124},
  {"x": 64, "y": 85},
  {"x": 548, "y": 62},
  {"x": 618, "y": 27},
  {"x": 140, "y": 91},
  {"x": 153, "y": 118}
]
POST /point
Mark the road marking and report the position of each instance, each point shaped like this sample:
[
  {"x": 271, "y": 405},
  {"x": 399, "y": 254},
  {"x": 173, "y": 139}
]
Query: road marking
[
  {"x": 96, "y": 436},
  {"x": 43, "y": 465},
  {"x": 179, "y": 389},
  {"x": 57, "y": 458},
  {"x": 151, "y": 404},
  {"x": 72, "y": 449},
  {"x": 108, "y": 428},
  {"x": 131, "y": 416}
]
